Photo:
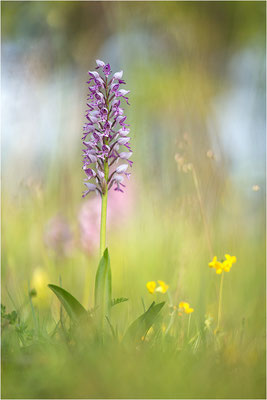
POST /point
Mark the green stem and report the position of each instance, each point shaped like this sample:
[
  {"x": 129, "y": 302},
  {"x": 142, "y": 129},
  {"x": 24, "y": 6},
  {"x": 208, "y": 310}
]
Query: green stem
[
  {"x": 188, "y": 325},
  {"x": 203, "y": 214},
  {"x": 104, "y": 213},
  {"x": 33, "y": 312},
  {"x": 220, "y": 305},
  {"x": 172, "y": 314}
]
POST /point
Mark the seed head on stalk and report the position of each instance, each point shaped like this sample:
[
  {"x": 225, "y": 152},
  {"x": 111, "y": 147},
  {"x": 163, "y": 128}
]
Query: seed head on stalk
[{"x": 105, "y": 136}]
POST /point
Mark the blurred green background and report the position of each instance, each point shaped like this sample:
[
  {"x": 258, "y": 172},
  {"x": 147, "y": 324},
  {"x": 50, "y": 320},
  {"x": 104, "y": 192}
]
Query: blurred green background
[{"x": 196, "y": 71}]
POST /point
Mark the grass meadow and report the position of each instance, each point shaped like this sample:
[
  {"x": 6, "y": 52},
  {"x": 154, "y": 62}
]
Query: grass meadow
[{"x": 197, "y": 190}]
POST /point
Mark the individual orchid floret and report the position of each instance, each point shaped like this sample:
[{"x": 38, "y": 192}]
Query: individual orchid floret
[{"x": 107, "y": 150}]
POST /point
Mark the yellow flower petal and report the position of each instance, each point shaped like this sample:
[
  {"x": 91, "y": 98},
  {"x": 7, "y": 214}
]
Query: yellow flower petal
[
  {"x": 213, "y": 262},
  {"x": 183, "y": 304},
  {"x": 231, "y": 259},
  {"x": 226, "y": 265},
  {"x": 216, "y": 264},
  {"x": 189, "y": 310},
  {"x": 163, "y": 287},
  {"x": 39, "y": 282},
  {"x": 185, "y": 307},
  {"x": 228, "y": 262},
  {"x": 151, "y": 286}
]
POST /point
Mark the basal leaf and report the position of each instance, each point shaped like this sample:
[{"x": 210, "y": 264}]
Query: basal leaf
[
  {"x": 141, "y": 325},
  {"x": 72, "y": 306},
  {"x": 103, "y": 285}
]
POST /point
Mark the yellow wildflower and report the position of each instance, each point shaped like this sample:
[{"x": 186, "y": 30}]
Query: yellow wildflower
[
  {"x": 217, "y": 265},
  {"x": 189, "y": 310},
  {"x": 185, "y": 307},
  {"x": 231, "y": 259},
  {"x": 219, "y": 270},
  {"x": 39, "y": 283},
  {"x": 226, "y": 265},
  {"x": 162, "y": 288},
  {"x": 151, "y": 286},
  {"x": 228, "y": 262},
  {"x": 183, "y": 304}
]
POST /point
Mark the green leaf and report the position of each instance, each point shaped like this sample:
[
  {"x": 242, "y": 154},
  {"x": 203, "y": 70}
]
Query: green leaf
[
  {"x": 12, "y": 317},
  {"x": 118, "y": 301},
  {"x": 3, "y": 310},
  {"x": 141, "y": 325},
  {"x": 74, "y": 309},
  {"x": 103, "y": 285}
]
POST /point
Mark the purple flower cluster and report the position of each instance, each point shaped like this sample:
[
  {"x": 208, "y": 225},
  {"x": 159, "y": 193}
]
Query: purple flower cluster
[{"x": 105, "y": 135}]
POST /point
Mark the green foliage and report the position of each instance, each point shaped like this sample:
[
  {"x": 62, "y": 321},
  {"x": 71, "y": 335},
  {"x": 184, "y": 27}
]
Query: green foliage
[
  {"x": 9, "y": 318},
  {"x": 103, "y": 286},
  {"x": 72, "y": 306},
  {"x": 119, "y": 300},
  {"x": 3, "y": 310},
  {"x": 141, "y": 325}
]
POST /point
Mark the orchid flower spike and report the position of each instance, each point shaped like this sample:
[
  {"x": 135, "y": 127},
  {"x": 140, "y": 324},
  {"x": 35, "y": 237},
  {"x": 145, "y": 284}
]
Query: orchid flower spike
[{"x": 107, "y": 150}]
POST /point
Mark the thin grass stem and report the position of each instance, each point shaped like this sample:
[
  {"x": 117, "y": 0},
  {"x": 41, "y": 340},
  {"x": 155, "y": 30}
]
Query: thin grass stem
[
  {"x": 201, "y": 206},
  {"x": 220, "y": 305},
  {"x": 33, "y": 312},
  {"x": 188, "y": 326}
]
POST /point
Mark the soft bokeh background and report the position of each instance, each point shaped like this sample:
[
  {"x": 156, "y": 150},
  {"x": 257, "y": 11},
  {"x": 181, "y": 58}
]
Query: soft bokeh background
[{"x": 196, "y": 71}]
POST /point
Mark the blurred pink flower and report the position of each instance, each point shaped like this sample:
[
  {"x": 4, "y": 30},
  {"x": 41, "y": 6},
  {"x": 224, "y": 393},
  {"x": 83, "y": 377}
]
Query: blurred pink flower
[
  {"x": 58, "y": 235},
  {"x": 89, "y": 221},
  {"x": 120, "y": 207}
]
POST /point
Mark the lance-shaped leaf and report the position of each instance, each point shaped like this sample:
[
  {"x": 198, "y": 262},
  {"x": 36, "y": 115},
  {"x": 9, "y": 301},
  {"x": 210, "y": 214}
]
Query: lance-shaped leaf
[
  {"x": 141, "y": 325},
  {"x": 72, "y": 306},
  {"x": 103, "y": 285}
]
